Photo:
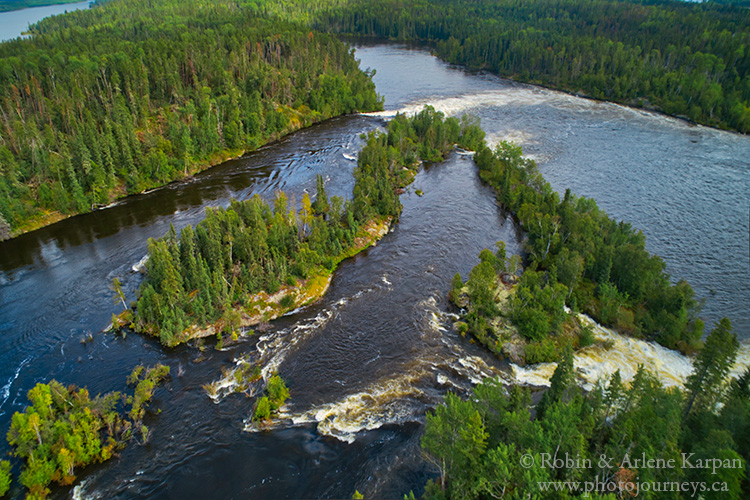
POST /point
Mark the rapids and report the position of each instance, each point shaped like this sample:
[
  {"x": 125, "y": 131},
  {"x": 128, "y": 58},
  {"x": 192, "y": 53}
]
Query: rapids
[{"x": 365, "y": 363}]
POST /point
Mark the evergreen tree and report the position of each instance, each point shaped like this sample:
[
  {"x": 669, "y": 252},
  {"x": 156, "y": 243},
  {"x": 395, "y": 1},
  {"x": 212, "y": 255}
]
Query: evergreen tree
[{"x": 706, "y": 385}]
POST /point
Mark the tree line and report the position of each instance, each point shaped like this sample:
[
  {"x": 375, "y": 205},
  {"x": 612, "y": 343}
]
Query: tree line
[
  {"x": 495, "y": 444},
  {"x": 6, "y": 5},
  {"x": 577, "y": 256},
  {"x": 211, "y": 272},
  {"x": 133, "y": 94},
  {"x": 688, "y": 59}
]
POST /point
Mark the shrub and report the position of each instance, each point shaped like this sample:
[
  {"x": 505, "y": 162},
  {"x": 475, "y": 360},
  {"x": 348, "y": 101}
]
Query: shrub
[
  {"x": 277, "y": 392},
  {"x": 586, "y": 337},
  {"x": 543, "y": 351},
  {"x": 287, "y": 301},
  {"x": 462, "y": 327},
  {"x": 262, "y": 409}
]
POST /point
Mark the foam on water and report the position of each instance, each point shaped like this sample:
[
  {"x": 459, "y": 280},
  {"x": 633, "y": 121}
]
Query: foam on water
[
  {"x": 389, "y": 401},
  {"x": 5, "y": 390},
  {"x": 399, "y": 398},
  {"x": 456, "y": 105},
  {"x": 78, "y": 492},
  {"x": 520, "y": 137},
  {"x": 140, "y": 266},
  {"x": 273, "y": 348},
  {"x": 520, "y": 95},
  {"x": 618, "y": 352}
]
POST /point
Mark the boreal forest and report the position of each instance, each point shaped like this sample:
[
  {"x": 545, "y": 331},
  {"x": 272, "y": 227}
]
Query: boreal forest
[
  {"x": 682, "y": 58},
  {"x": 131, "y": 95},
  {"x": 6, "y": 5},
  {"x": 120, "y": 99}
]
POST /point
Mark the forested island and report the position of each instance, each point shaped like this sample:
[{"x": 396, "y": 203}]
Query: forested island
[
  {"x": 576, "y": 256},
  {"x": 64, "y": 429},
  {"x": 252, "y": 262},
  {"x": 126, "y": 97},
  {"x": 121, "y": 99},
  {"x": 572, "y": 443}
]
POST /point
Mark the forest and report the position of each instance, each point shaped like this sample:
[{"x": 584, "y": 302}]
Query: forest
[
  {"x": 213, "y": 272},
  {"x": 125, "y": 97},
  {"x": 496, "y": 444},
  {"x": 687, "y": 59},
  {"x": 64, "y": 428},
  {"x": 575, "y": 255},
  {"x": 6, "y": 5},
  {"x": 130, "y": 95}
]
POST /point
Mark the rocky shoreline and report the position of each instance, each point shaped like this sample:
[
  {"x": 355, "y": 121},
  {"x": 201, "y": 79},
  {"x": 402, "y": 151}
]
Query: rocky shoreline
[{"x": 265, "y": 307}]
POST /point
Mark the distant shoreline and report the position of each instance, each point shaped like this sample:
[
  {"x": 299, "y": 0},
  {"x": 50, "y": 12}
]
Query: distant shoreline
[{"x": 10, "y": 5}]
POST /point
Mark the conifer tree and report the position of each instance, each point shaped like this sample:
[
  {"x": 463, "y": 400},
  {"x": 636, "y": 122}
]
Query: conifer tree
[{"x": 706, "y": 385}]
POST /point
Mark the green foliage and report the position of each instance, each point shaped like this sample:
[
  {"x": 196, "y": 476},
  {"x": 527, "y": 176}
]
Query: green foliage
[
  {"x": 5, "y": 477},
  {"x": 320, "y": 205},
  {"x": 144, "y": 388},
  {"x": 490, "y": 447},
  {"x": 579, "y": 256},
  {"x": 456, "y": 284},
  {"x": 201, "y": 275},
  {"x": 707, "y": 383},
  {"x": 545, "y": 350},
  {"x": 537, "y": 306},
  {"x": 6, "y": 5},
  {"x": 481, "y": 285},
  {"x": 687, "y": 59},
  {"x": 455, "y": 438},
  {"x": 277, "y": 391},
  {"x": 262, "y": 409},
  {"x": 119, "y": 294},
  {"x": 586, "y": 337},
  {"x": 276, "y": 394},
  {"x": 562, "y": 381},
  {"x": 133, "y": 94},
  {"x": 287, "y": 301},
  {"x": 357, "y": 495},
  {"x": 64, "y": 429}
]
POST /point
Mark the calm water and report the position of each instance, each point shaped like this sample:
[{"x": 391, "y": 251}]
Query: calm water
[
  {"x": 365, "y": 363},
  {"x": 15, "y": 22}
]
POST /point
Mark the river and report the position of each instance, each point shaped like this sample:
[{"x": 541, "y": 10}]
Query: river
[
  {"x": 13, "y": 23},
  {"x": 365, "y": 363}
]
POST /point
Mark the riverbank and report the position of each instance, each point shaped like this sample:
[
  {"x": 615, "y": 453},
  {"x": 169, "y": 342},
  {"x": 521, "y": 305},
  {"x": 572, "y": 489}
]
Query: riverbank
[
  {"x": 266, "y": 307},
  {"x": 540, "y": 44},
  {"x": 150, "y": 121},
  {"x": 200, "y": 275},
  {"x": 10, "y": 6},
  {"x": 577, "y": 257},
  {"x": 48, "y": 217},
  {"x": 262, "y": 307}
]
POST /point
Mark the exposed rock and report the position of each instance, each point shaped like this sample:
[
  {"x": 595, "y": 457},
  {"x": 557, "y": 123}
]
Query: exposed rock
[{"x": 4, "y": 229}]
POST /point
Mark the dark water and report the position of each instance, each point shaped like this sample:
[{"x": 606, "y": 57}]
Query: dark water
[
  {"x": 13, "y": 23},
  {"x": 364, "y": 363},
  {"x": 686, "y": 187}
]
